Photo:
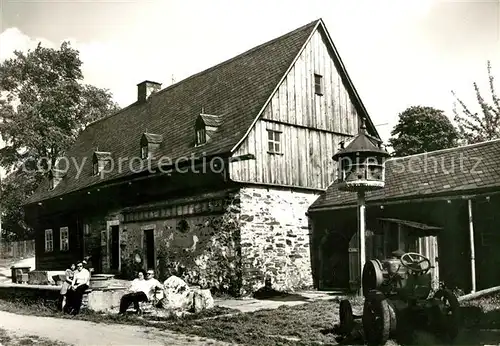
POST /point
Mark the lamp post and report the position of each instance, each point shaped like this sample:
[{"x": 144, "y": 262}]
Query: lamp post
[{"x": 361, "y": 169}]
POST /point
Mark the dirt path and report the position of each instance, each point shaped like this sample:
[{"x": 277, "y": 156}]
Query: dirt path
[{"x": 76, "y": 332}]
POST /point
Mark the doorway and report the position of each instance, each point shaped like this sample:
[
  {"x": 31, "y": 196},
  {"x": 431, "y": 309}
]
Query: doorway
[
  {"x": 149, "y": 248},
  {"x": 115, "y": 247},
  {"x": 333, "y": 261}
]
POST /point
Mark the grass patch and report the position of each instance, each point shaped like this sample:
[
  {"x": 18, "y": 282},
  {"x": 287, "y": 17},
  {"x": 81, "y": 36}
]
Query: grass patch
[
  {"x": 305, "y": 324},
  {"x": 38, "y": 308},
  {"x": 11, "y": 339}
]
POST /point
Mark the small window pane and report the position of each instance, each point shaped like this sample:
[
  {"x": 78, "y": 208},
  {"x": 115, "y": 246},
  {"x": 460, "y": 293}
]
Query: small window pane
[
  {"x": 318, "y": 84},
  {"x": 49, "y": 241},
  {"x": 64, "y": 238},
  {"x": 270, "y": 135},
  {"x": 200, "y": 136}
]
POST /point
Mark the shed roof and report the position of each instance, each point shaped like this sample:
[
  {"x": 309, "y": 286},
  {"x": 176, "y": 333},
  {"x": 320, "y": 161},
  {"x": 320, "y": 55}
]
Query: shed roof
[{"x": 448, "y": 171}]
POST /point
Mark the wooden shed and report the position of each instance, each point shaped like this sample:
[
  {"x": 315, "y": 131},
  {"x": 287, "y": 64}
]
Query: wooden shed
[{"x": 443, "y": 204}]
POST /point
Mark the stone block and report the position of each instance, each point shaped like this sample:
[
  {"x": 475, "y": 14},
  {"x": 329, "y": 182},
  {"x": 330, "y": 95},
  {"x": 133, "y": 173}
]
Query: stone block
[
  {"x": 177, "y": 294},
  {"x": 105, "y": 299},
  {"x": 202, "y": 300},
  {"x": 39, "y": 277}
]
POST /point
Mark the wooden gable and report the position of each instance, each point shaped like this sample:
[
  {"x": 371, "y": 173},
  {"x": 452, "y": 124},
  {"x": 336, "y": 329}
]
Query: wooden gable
[{"x": 312, "y": 111}]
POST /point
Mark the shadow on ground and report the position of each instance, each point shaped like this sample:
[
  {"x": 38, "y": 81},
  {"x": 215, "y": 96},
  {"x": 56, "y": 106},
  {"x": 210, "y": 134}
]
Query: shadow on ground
[{"x": 266, "y": 293}]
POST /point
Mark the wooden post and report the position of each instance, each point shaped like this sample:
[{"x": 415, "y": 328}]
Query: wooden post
[
  {"x": 472, "y": 248},
  {"x": 1, "y": 245},
  {"x": 362, "y": 243}
]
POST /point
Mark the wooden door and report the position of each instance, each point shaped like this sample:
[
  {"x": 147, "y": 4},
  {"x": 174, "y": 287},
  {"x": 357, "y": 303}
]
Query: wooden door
[
  {"x": 149, "y": 248},
  {"x": 115, "y": 247},
  {"x": 354, "y": 272},
  {"x": 428, "y": 248}
]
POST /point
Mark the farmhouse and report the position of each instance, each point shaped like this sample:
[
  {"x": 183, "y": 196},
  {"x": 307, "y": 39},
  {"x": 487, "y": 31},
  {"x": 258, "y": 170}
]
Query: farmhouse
[
  {"x": 443, "y": 204},
  {"x": 210, "y": 178}
]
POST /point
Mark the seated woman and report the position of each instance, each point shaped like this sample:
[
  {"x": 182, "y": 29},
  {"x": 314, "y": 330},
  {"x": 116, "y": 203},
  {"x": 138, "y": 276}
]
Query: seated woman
[
  {"x": 139, "y": 291},
  {"x": 66, "y": 285}
]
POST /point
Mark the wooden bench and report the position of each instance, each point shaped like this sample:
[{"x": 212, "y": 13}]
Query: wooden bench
[{"x": 149, "y": 306}]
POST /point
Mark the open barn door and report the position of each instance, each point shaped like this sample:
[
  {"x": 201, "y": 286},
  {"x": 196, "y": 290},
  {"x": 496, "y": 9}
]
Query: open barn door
[{"x": 354, "y": 274}]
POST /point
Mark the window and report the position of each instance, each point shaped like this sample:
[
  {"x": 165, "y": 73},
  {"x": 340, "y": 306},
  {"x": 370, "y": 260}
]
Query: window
[
  {"x": 318, "y": 84},
  {"x": 201, "y": 137},
  {"x": 86, "y": 229},
  {"x": 144, "y": 152},
  {"x": 274, "y": 141},
  {"x": 64, "y": 239},
  {"x": 49, "y": 241},
  {"x": 95, "y": 168}
]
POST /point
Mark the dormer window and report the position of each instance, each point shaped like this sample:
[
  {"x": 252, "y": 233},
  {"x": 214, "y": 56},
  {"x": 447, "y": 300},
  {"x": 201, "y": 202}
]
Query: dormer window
[
  {"x": 205, "y": 127},
  {"x": 150, "y": 143},
  {"x": 55, "y": 177},
  {"x": 201, "y": 136},
  {"x": 95, "y": 168},
  {"x": 99, "y": 161},
  {"x": 144, "y": 152}
]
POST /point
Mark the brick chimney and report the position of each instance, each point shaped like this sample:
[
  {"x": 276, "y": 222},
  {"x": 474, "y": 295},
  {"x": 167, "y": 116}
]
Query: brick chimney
[{"x": 145, "y": 89}]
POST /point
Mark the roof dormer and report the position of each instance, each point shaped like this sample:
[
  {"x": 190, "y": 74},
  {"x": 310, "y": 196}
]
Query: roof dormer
[
  {"x": 205, "y": 127},
  {"x": 55, "y": 177},
  {"x": 99, "y": 161},
  {"x": 150, "y": 143}
]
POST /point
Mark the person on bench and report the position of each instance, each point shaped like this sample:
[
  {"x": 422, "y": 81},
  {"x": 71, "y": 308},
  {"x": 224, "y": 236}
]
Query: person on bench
[
  {"x": 80, "y": 284},
  {"x": 141, "y": 290},
  {"x": 69, "y": 273}
]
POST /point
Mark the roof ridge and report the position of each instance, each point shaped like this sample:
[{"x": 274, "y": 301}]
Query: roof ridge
[
  {"x": 251, "y": 50},
  {"x": 446, "y": 150}
]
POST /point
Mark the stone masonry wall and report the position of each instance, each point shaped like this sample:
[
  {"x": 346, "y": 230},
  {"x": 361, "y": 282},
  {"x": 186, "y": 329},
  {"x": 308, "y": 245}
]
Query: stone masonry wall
[
  {"x": 203, "y": 250},
  {"x": 275, "y": 238}
]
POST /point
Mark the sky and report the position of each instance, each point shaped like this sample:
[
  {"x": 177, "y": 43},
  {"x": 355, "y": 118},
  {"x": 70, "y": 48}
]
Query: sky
[{"x": 398, "y": 53}]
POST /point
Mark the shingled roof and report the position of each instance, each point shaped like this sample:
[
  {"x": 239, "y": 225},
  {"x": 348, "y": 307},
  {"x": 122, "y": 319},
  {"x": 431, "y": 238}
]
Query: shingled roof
[
  {"x": 441, "y": 172},
  {"x": 235, "y": 91}
]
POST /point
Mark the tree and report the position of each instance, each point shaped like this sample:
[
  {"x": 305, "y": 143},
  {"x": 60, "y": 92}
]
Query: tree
[
  {"x": 422, "y": 129},
  {"x": 483, "y": 126},
  {"x": 44, "y": 106}
]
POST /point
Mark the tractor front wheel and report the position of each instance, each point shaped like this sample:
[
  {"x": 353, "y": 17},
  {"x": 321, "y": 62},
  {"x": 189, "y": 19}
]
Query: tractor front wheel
[
  {"x": 449, "y": 314},
  {"x": 376, "y": 318},
  {"x": 346, "y": 317}
]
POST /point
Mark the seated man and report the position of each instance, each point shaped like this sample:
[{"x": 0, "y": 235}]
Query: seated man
[{"x": 141, "y": 290}]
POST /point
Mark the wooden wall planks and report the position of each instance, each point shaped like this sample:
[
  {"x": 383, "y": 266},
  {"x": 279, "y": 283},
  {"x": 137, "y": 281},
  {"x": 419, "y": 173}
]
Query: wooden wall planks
[{"x": 311, "y": 125}]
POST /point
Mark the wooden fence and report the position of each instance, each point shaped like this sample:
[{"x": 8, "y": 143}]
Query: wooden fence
[{"x": 17, "y": 249}]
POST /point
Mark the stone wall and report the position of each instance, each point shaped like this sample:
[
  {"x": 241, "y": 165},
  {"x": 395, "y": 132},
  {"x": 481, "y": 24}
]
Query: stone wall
[
  {"x": 202, "y": 249},
  {"x": 30, "y": 293},
  {"x": 96, "y": 244},
  {"x": 275, "y": 238}
]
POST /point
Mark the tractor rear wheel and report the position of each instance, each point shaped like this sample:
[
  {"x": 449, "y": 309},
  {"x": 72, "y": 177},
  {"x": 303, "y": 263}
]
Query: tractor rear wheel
[
  {"x": 392, "y": 313},
  {"x": 449, "y": 314},
  {"x": 376, "y": 318},
  {"x": 346, "y": 317}
]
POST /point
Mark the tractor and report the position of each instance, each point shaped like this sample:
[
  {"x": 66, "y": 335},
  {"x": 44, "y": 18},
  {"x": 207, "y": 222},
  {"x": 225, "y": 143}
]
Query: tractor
[{"x": 397, "y": 296}]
